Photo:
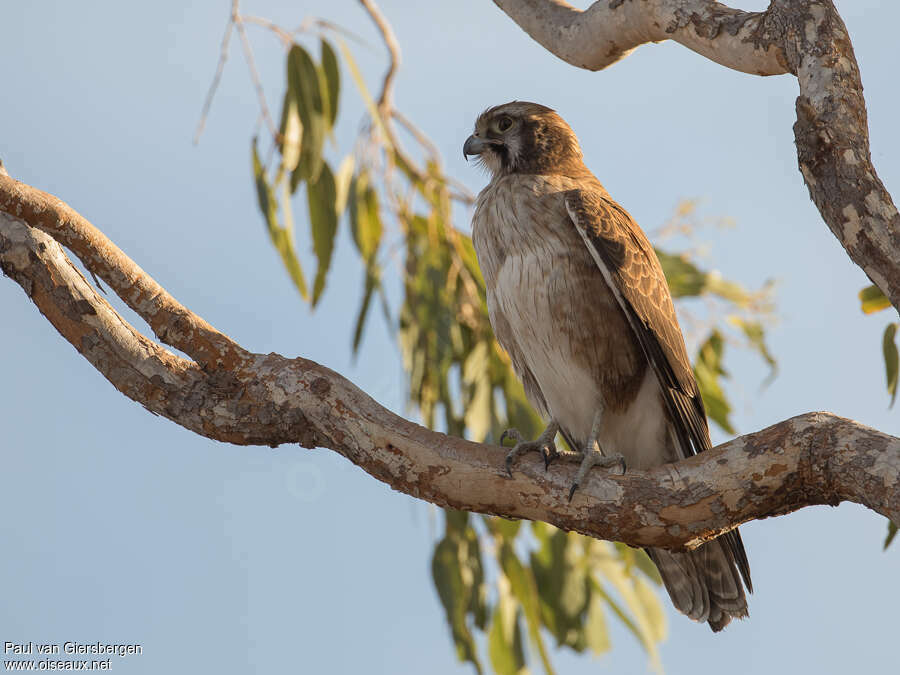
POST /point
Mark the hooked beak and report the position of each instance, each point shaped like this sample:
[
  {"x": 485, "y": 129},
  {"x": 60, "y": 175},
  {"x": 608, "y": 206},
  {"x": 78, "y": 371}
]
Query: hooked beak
[{"x": 475, "y": 145}]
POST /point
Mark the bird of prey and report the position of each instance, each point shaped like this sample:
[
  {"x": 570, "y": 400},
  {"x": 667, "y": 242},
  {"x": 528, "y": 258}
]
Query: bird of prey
[{"x": 577, "y": 297}]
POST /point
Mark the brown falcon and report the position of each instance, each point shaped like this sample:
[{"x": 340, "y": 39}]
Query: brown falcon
[{"x": 577, "y": 297}]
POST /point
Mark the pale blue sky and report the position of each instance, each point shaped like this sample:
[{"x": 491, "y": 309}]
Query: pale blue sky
[{"x": 121, "y": 526}]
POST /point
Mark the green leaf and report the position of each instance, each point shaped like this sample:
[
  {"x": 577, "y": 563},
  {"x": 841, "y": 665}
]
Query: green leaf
[
  {"x": 370, "y": 285},
  {"x": 448, "y": 579},
  {"x": 475, "y": 376},
  {"x": 562, "y": 585},
  {"x": 596, "y": 633},
  {"x": 504, "y": 528},
  {"x": 891, "y": 533},
  {"x": 644, "y": 564},
  {"x": 708, "y": 370},
  {"x": 524, "y": 589},
  {"x": 291, "y": 128},
  {"x": 322, "y": 196},
  {"x": 360, "y": 81},
  {"x": 889, "y": 347},
  {"x": 332, "y": 72},
  {"x": 873, "y": 300},
  {"x": 653, "y": 609},
  {"x": 756, "y": 336},
  {"x": 264, "y": 196},
  {"x": 683, "y": 277},
  {"x": 281, "y": 238},
  {"x": 505, "y": 647},
  {"x": 303, "y": 77},
  {"x": 647, "y": 620},
  {"x": 365, "y": 218}
]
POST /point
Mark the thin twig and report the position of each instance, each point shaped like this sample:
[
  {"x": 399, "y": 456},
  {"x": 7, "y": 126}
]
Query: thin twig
[
  {"x": 340, "y": 30},
  {"x": 254, "y": 74},
  {"x": 286, "y": 37},
  {"x": 220, "y": 68},
  {"x": 393, "y": 47}
]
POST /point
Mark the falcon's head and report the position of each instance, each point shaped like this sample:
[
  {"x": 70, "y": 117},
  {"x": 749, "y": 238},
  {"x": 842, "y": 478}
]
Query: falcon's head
[{"x": 522, "y": 137}]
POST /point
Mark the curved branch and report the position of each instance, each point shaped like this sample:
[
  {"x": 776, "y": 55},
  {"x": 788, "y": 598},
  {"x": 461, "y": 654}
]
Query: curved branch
[
  {"x": 235, "y": 396},
  {"x": 804, "y": 37},
  {"x": 610, "y": 30}
]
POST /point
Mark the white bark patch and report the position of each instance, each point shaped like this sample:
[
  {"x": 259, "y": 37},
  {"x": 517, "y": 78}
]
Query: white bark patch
[
  {"x": 852, "y": 226},
  {"x": 878, "y": 207},
  {"x": 844, "y": 65},
  {"x": 808, "y": 175},
  {"x": 850, "y": 157},
  {"x": 18, "y": 232},
  {"x": 811, "y": 29}
]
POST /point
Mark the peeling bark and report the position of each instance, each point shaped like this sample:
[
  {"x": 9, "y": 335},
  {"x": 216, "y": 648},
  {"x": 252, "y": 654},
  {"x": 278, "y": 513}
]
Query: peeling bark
[
  {"x": 806, "y": 38},
  {"x": 227, "y": 393}
]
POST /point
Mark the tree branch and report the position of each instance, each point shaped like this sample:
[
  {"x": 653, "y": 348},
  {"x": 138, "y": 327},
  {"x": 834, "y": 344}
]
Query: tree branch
[
  {"x": 804, "y": 37},
  {"x": 232, "y": 395}
]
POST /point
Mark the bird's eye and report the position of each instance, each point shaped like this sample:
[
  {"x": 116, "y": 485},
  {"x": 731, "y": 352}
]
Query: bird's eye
[{"x": 504, "y": 123}]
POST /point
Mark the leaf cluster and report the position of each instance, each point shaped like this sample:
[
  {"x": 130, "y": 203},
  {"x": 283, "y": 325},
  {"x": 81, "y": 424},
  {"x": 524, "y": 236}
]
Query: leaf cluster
[{"x": 514, "y": 585}]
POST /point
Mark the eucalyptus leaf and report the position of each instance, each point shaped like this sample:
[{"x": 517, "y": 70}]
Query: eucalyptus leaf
[
  {"x": 684, "y": 278},
  {"x": 889, "y": 347},
  {"x": 291, "y": 128},
  {"x": 709, "y": 372},
  {"x": 342, "y": 181},
  {"x": 332, "y": 73},
  {"x": 524, "y": 589},
  {"x": 448, "y": 579},
  {"x": 281, "y": 237},
  {"x": 756, "y": 337},
  {"x": 873, "y": 300},
  {"x": 321, "y": 196},
  {"x": 891, "y": 533},
  {"x": 371, "y": 284},
  {"x": 596, "y": 632},
  {"x": 365, "y": 216},
  {"x": 505, "y": 648},
  {"x": 303, "y": 77}
]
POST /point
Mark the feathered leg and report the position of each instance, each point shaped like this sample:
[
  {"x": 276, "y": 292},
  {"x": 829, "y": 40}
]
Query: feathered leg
[{"x": 592, "y": 456}]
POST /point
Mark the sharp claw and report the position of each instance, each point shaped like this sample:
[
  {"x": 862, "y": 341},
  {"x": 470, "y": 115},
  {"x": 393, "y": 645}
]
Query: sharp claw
[
  {"x": 572, "y": 491},
  {"x": 512, "y": 434}
]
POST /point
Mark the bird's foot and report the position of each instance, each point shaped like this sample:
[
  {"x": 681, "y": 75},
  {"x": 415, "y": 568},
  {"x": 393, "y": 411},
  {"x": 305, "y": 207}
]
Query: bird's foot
[
  {"x": 589, "y": 459},
  {"x": 545, "y": 444}
]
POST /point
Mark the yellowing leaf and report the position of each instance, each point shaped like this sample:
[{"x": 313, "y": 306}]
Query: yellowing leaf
[
  {"x": 596, "y": 632},
  {"x": 873, "y": 300},
  {"x": 342, "y": 181},
  {"x": 291, "y": 128}
]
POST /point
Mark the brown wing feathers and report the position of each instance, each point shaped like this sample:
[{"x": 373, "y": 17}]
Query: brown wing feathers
[{"x": 632, "y": 269}]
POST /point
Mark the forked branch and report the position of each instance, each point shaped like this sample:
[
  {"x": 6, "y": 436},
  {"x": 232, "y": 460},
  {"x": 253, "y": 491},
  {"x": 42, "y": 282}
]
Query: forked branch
[{"x": 226, "y": 393}]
